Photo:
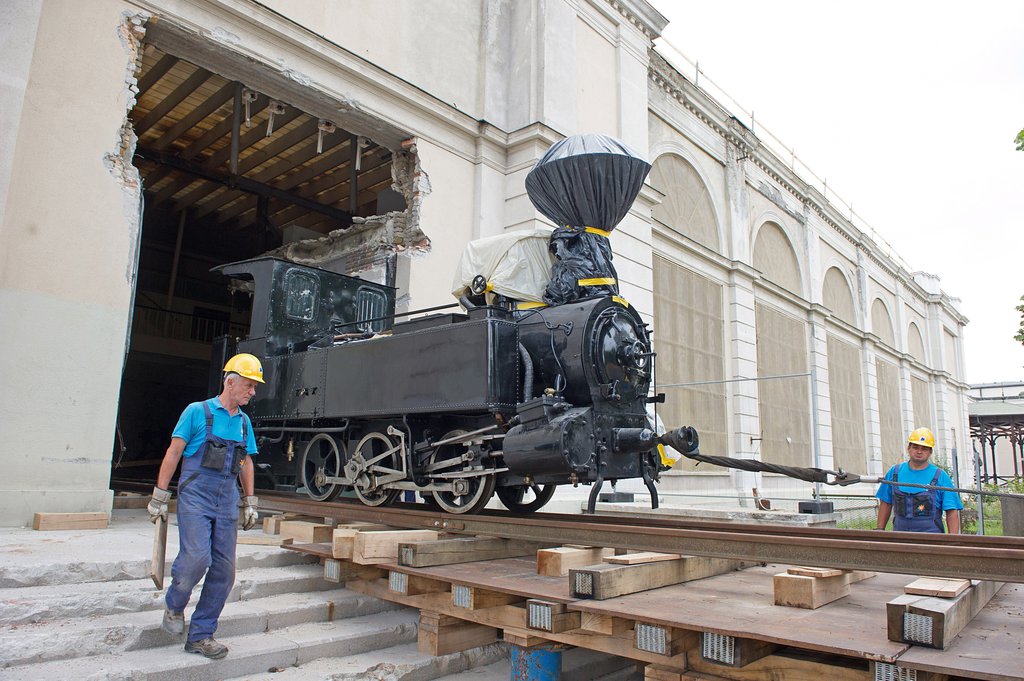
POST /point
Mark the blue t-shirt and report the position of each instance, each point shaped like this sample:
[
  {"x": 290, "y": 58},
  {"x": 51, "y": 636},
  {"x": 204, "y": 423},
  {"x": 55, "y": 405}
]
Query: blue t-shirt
[
  {"x": 947, "y": 500},
  {"x": 192, "y": 426}
]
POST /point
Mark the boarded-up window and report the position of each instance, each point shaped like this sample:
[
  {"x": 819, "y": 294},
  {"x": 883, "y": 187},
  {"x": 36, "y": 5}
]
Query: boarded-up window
[
  {"x": 775, "y": 258},
  {"x": 881, "y": 323},
  {"x": 951, "y": 358},
  {"x": 686, "y": 207},
  {"x": 783, "y": 403},
  {"x": 846, "y": 395},
  {"x": 915, "y": 344},
  {"x": 921, "y": 397},
  {"x": 689, "y": 338},
  {"x": 837, "y": 296},
  {"x": 889, "y": 419}
]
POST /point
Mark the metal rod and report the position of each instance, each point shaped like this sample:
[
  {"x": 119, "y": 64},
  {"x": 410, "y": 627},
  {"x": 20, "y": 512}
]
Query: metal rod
[
  {"x": 733, "y": 380},
  {"x": 398, "y": 314},
  {"x": 176, "y": 258},
  {"x": 236, "y": 128}
]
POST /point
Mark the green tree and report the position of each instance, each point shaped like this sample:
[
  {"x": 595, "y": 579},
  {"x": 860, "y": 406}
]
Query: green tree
[
  {"x": 1020, "y": 329},
  {"x": 1020, "y": 140}
]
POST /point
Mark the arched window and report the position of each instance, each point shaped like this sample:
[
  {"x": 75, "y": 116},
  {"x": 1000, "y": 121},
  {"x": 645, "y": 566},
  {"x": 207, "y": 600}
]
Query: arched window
[
  {"x": 836, "y": 296},
  {"x": 881, "y": 323},
  {"x": 687, "y": 206},
  {"x": 775, "y": 258}
]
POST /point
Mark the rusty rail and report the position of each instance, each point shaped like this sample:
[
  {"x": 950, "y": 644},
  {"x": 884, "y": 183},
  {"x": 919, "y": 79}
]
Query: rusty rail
[{"x": 957, "y": 556}]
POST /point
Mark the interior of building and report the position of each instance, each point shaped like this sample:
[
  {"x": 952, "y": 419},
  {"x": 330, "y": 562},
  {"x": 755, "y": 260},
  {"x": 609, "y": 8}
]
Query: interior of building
[{"x": 228, "y": 173}]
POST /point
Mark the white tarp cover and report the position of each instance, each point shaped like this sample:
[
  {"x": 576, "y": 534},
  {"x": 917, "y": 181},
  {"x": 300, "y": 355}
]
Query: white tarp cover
[{"x": 517, "y": 264}]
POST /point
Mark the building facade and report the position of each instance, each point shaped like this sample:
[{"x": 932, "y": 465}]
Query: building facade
[{"x": 146, "y": 141}]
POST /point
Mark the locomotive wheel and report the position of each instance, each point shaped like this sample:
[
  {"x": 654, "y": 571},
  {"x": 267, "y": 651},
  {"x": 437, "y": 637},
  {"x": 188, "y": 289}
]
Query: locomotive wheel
[
  {"x": 470, "y": 494},
  {"x": 523, "y": 499},
  {"x": 320, "y": 460},
  {"x": 372, "y": 446}
]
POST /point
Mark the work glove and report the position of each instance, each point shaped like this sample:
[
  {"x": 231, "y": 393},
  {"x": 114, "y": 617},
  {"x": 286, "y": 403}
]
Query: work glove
[
  {"x": 158, "y": 504},
  {"x": 249, "y": 514}
]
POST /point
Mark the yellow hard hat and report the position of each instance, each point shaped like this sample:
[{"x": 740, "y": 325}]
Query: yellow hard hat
[
  {"x": 924, "y": 437},
  {"x": 246, "y": 366}
]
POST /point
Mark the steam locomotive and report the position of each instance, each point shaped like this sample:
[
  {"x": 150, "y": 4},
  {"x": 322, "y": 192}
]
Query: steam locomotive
[{"x": 511, "y": 396}]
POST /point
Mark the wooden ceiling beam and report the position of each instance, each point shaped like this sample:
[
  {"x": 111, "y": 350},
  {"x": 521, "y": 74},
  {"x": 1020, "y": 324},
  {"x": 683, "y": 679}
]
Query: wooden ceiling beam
[
  {"x": 155, "y": 73},
  {"x": 187, "y": 87},
  {"x": 244, "y": 184},
  {"x": 212, "y": 103}
]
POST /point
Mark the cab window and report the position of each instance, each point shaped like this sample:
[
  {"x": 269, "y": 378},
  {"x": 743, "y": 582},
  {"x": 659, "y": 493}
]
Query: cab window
[{"x": 300, "y": 291}]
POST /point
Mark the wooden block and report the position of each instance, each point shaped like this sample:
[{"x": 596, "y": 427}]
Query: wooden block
[
  {"x": 441, "y": 634},
  {"x": 788, "y": 664},
  {"x": 932, "y": 621},
  {"x": 272, "y": 524},
  {"x": 263, "y": 540},
  {"x": 475, "y": 598},
  {"x": 462, "y": 550},
  {"x": 70, "y": 521},
  {"x": 557, "y": 562},
  {"x": 414, "y": 585},
  {"x": 936, "y": 586},
  {"x": 604, "y": 624},
  {"x": 605, "y": 581},
  {"x": 305, "y": 532},
  {"x": 660, "y": 639},
  {"x": 339, "y": 571},
  {"x": 657, "y": 672},
  {"x": 369, "y": 548},
  {"x": 523, "y": 638},
  {"x": 855, "y": 576},
  {"x": 556, "y": 618},
  {"x": 744, "y": 651},
  {"x": 641, "y": 557},
  {"x": 815, "y": 572},
  {"x": 799, "y": 591}
]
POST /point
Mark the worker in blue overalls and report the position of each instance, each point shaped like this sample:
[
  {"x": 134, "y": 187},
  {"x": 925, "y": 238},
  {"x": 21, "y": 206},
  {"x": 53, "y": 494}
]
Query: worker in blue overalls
[
  {"x": 915, "y": 509},
  {"x": 214, "y": 441}
]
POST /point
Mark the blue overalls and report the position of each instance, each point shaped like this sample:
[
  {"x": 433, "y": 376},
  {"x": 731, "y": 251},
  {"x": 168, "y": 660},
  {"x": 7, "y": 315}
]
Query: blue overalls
[
  {"x": 207, "y": 528},
  {"x": 918, "y": 512}
]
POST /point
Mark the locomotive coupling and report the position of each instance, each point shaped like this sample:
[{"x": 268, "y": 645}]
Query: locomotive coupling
[
  {"x": 633, "y": 440},
  {"x": 684, "y": 440}
]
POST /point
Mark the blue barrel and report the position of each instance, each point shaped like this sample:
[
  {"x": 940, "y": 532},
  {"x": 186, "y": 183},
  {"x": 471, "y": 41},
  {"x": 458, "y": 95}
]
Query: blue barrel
[{"x": 542, "y": 663}]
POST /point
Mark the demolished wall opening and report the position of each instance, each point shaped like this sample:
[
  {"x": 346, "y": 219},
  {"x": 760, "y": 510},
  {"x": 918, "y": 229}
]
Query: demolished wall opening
[{"x": 236, "y": 163}]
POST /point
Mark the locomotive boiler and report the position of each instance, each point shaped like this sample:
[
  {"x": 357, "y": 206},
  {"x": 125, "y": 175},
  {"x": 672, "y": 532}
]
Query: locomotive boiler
[{"x": 523, "y": 391}]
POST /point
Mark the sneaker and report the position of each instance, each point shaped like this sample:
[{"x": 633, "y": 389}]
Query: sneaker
[
  {"x": 208, "y": 647},
  {"x": 174, "y": 622}
]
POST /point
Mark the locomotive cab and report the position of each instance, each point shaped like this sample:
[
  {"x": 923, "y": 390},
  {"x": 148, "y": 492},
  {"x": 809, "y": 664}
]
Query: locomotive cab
[{"x": 295, "y": 305}]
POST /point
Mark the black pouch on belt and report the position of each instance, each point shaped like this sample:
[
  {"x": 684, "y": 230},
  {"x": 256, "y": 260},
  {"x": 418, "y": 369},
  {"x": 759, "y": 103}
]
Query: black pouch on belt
[
  {"x": 214, "y": 455},
  {"x": 236, "y": 460}
]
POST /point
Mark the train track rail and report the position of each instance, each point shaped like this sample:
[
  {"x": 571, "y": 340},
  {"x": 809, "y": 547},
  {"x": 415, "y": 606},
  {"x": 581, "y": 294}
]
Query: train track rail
[{"x": 936, "y": 555}]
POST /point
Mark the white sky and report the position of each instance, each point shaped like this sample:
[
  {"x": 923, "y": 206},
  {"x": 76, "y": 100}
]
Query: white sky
[{"x": 909, "y": 110}]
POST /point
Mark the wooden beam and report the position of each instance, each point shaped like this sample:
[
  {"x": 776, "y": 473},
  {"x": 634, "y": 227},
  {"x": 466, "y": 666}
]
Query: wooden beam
[
  {"x": 932, "y": 621},
  {"x": 156, "y": 72},
  {"x": 557, "y": 562},
  {"x": 605, "y": 581},
  {"x": 803, "y": 591},
  {"x": 167, "y": 104},
  {"x": 370, "y": 548},
  {"x": 70, "y": 521},
  {"x": 263, "y": 540},
  {"x": 442, "y": 634},
  {"x": 189, "y": 121},
  {"x": 461, "y": 550},
  {"x": 306, "y": 532},
  {"x": 937, "y": 586}
]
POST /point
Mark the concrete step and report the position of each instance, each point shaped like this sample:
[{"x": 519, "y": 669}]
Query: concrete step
[
  {"x": 25, "y": 605},
  {"x": 487, "y": 663},
  {"x": 85, "y": 636},
  {"x": 398, "y": 663},
  {"x": 249, "y": 654},
  {"x": 14, "y": 575}
]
